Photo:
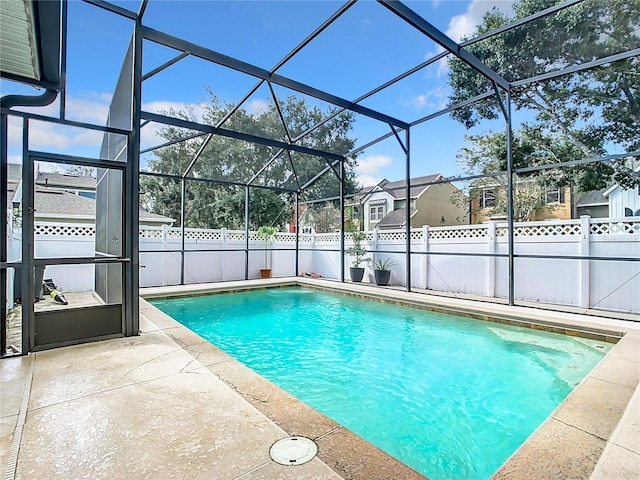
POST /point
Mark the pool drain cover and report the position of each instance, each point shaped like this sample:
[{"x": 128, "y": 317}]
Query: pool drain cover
[{"x": 293, "y": 450}]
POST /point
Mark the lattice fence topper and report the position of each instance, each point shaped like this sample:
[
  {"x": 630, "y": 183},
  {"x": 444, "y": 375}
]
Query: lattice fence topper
[
  {"x": 203, "y": 234},
  {"x": 390, "y": 236},
  {"x": 61, "y": 229},
  {"x": 475, "y": 232},
  {"x": 551, "y": 230},
  {"x": 285, "y": 237},
  {"x": 328, "y": 237},
  {"x": 240, "y": 236},
  {"x": 145, "y": 233},
  {"x": 612, "y": 228},
  {"x": 544, "y": 230},
  {"x": 174, "y": 234},
  {"x": 524, "y": 229}
]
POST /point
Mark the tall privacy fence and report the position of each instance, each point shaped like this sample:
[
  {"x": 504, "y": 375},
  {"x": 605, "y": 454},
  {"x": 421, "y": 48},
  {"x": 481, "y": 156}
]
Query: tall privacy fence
[{"x": 441, "y": 258}]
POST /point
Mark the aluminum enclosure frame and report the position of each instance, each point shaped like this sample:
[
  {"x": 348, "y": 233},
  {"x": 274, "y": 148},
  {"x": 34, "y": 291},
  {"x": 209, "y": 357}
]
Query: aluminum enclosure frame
[
  {"x": 410, "y": 17},
  {"x": 334, "y": 162}
]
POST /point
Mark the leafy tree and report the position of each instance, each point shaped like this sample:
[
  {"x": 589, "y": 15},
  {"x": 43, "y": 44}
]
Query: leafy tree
[
  {"x": 210, "y": 205},
  {"x": 324, "y": 219},
  {"x": 592, "y": 110}
]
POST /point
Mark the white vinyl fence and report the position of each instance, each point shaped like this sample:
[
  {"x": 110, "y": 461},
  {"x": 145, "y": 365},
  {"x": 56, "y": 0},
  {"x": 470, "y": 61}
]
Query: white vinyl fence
[{"x": 607, "y": 285}]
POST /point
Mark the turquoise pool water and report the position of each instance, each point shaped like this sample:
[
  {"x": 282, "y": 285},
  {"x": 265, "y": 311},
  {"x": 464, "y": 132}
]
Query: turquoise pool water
[{"x": 449, "y": 396}]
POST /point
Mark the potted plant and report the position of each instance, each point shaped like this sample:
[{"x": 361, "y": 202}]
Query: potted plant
[
  {"x": 359, "y": 254},
  {"x": 268, "y": 234},
  {"x": 382, "y": 271}
]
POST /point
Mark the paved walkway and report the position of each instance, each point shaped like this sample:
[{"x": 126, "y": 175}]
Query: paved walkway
[{"x": 133, "y": 408}]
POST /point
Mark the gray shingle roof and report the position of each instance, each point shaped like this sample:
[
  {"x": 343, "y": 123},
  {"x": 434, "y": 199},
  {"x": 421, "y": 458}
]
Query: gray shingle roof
[
  {"x": 415, "y": 191},
  {"x": 49, "y": 201},
  {"x": 396, "y": 218},
  {"x": 66, "y": 181},
  {"x": 594, "y": 197}
]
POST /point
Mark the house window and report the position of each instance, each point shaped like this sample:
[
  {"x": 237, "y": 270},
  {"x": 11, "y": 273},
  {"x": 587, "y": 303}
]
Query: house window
[
  {"x": 377, "y": 213},
  {"x": 397, "y": 204},
  {"x": 628, "y": 212},
  {"x": 553, "y": 195},
  {"x": 488, "y": 198}
]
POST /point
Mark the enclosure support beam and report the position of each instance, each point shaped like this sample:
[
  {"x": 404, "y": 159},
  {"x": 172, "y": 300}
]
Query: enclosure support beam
[
  {"x": 143, "y": 7},
  {"x": 606, "y": 158},
  {"x": 418, "y": 22},
  {"x": 342, "y": 219},
  {"x": 64, "y": 38},
  {"x": 293, "y": 169},
  {"x": 236, "y": 107},
  {"x": 177, "y": 122},
  {"x": 422, "y": 120},
  {"x": 123, "y": 12},
  {"x": 216, "y": 182},
  {"x": 407, "y": 150},
  {"x": 510, "y": 196},
  {"x": 331, "y": 166},
  {"x": 131, "y": 191},
  {"x": 3, "y": 233},
  {"x": 166, "y": 64},
  {"x": 246, "y": 233},
  {"x": 578, "y": 68},
  {"x": 183, "y": 218},
  {"x": 173, "y": 142},
  {"x": 265, "y": 166},
  {"x": 246, "y": 68},
  {"x": 28, "y": 248},
  {"x": 520, "y": 22},
  {"x": 61, "y": 121},
  {"x": 297, "y": 217},
  {"x": 197, "y": 155}
]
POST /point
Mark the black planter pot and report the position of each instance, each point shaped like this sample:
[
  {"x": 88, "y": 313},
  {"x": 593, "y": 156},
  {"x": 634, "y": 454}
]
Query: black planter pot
[
  {"x": 356, "y": 274},
  {"x": 382, "y": 277}
]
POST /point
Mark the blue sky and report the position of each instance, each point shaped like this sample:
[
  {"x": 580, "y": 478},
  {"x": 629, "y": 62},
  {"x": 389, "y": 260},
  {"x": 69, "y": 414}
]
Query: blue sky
[{"x": 366, "y": 47}]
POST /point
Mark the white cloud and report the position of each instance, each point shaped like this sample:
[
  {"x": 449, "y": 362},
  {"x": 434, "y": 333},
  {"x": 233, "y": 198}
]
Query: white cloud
[
  {"x": 87, "y": 110},
  {"x": 256, "y": 106},
  {"x": 368, "y": 181},
  {"x": 368, "y": 169},
  {"x": 160, "y": 106},
  {"x": 90, "y": 108},
  {"x": 464, "y": 25},
  {"x": 434, "y": 99}
]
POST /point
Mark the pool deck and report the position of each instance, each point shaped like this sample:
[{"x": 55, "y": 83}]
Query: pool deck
[{"x": 167, "y": 404}]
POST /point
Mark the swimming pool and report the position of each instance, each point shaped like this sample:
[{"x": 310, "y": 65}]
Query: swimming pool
[{"x": 450, "y": 396}]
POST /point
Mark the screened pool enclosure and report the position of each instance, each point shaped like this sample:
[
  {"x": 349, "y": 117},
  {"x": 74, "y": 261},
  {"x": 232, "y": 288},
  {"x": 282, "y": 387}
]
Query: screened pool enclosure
[{"x": 286, "y": 144}]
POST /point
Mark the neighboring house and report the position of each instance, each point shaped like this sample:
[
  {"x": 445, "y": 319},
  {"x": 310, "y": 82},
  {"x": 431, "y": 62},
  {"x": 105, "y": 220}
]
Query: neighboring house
[
  {"x": 488, "y": 202},
  {"x": 594, "y": 204},
  {"x": 384, "y": 205},
  {"x": 83, "y": 185},
  {"x": 66, "y": 198},
  {"x": 623, "y": 202}
]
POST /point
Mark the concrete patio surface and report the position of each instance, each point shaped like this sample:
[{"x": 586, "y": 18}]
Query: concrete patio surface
[
  {"x": 167, "y": 404},
  {"x": 138, "y": 407}
]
